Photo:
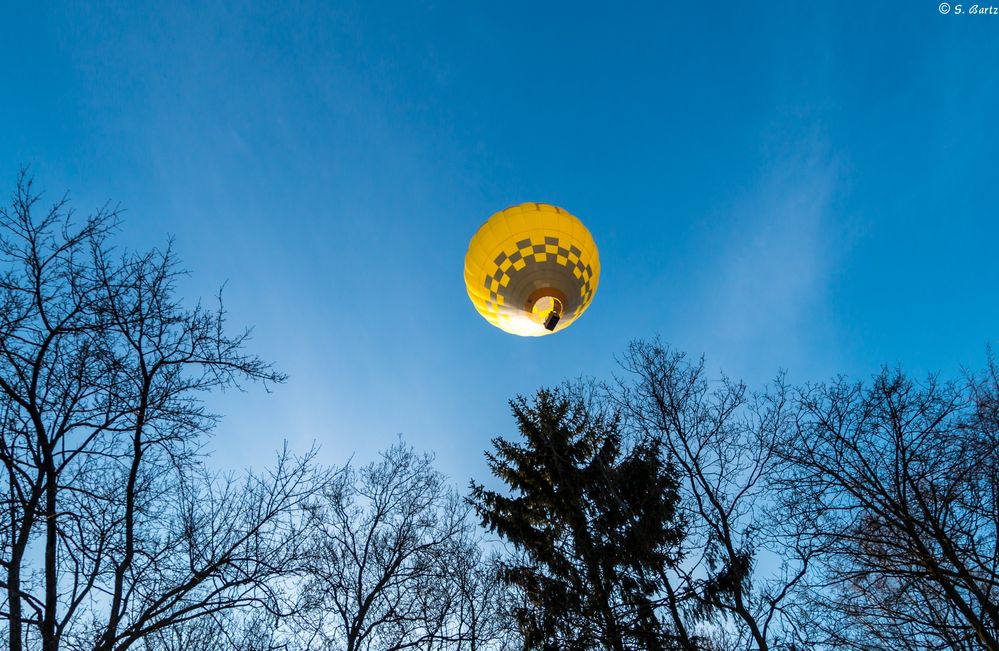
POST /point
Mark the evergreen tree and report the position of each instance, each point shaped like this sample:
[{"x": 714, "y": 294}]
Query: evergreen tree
[{"x": 594, "y": 521}]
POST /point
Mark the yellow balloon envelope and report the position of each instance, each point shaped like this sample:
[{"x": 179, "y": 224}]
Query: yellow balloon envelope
[{"x": 532, "y": 269}]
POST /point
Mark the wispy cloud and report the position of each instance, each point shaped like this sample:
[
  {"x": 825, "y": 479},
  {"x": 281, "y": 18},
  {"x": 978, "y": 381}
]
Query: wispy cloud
[{"x": 763, "y": 300}]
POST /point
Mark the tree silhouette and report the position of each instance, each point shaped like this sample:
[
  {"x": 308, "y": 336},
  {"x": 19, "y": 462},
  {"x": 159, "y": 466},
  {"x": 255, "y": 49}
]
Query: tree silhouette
[
  {"x": 896, "y": 483},
  {"x": 394, "y": 565},
  {"x": 594, "y": 522},
  {"x": 112, "y": 528},
  {"x": 722, "y": 440}
]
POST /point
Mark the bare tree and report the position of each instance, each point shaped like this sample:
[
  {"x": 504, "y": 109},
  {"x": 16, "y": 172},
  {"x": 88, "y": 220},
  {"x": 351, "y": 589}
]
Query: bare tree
[
  {"x": 112, "y": 530},
  {"x": 393, "y": 563},
  {"x": 483, "y": 617},
  {"x": 897, "y": 484},
  {"x": 241, "y": 629},
  {"x": 721, "y": 440}
]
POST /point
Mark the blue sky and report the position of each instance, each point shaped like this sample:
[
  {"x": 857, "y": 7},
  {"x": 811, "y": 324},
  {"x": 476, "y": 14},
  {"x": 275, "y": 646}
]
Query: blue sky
[{"x": 807, "y": 186}]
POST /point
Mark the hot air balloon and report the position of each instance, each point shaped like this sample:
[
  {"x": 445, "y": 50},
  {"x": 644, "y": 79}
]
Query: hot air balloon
[{"x": 531, "y": 269}]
